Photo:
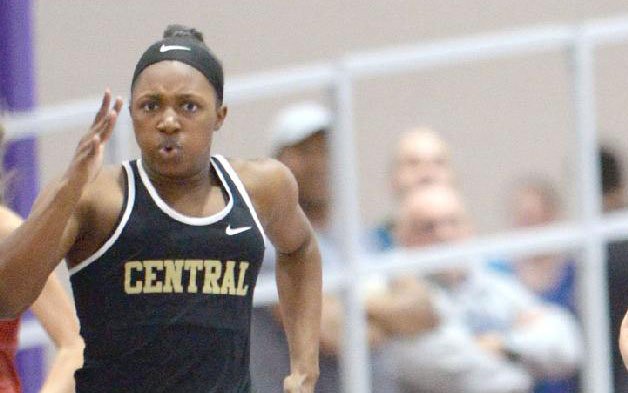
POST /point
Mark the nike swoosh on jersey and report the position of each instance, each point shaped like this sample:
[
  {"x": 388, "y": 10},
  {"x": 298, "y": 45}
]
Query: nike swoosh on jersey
[
  {"x": 234, "y": 231},
  {"x": 166, "y": 48}
]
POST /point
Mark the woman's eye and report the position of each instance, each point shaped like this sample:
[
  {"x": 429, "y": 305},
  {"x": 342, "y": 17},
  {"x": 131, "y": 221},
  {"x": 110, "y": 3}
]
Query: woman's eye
[
  {"x": 149, "y": 106},
  {"x": 190, "y": 107}
]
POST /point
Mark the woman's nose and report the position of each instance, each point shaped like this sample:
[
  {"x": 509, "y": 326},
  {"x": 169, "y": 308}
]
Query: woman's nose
[{"x": 169, "y": 121}]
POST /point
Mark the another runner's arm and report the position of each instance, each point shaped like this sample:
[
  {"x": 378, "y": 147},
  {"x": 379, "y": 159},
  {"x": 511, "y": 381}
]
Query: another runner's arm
[
  {"x": 298, "y": 274},
  {"x": 31, "y": 252},
  {"x": 623, "y": 340},
  {"x": 56, "y": 313}
]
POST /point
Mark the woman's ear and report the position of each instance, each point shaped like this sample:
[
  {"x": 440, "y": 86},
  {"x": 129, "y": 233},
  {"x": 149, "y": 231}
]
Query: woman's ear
[{"x": 221, "y": 114}]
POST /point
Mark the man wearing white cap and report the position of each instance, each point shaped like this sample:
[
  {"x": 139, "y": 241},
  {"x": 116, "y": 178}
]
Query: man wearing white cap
[{"x": 299, "y": 140}]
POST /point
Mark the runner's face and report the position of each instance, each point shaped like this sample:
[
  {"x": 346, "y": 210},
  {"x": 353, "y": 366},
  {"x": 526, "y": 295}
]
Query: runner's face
[{"x": 175, "y": 114}]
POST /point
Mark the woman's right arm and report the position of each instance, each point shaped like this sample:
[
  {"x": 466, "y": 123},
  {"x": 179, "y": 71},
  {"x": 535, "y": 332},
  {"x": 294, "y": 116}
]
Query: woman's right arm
[{"x": 30, "y": 253}]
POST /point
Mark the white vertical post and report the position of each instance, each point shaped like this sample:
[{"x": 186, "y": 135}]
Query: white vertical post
[
  {"x": 355, "y": 368},
  {"x": 593, "y": 284},
  {"x": 119, "y": 145}
]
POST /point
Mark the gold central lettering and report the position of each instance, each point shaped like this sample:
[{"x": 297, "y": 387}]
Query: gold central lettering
[{"x": 157, "y": 276}]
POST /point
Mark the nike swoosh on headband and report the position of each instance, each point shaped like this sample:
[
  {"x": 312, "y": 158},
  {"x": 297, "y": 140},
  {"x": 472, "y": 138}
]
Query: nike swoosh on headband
[{"x": 166, "y": 48}]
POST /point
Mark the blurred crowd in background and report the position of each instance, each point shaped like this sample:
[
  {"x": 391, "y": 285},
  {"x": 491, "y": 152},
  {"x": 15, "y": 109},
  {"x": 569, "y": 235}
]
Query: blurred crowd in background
[{"x": 500, "y": 325}]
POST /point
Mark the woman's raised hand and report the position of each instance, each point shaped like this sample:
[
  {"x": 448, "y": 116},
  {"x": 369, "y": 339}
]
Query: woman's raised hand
[{"x": 88, "y": 157}]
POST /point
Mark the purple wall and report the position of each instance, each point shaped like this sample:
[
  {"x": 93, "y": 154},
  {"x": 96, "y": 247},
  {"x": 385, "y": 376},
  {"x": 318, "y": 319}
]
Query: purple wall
[{"x": 17, "y": 93}]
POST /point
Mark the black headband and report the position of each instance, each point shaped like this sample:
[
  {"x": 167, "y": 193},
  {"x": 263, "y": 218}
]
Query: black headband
[{"x": 186, "y": 50}]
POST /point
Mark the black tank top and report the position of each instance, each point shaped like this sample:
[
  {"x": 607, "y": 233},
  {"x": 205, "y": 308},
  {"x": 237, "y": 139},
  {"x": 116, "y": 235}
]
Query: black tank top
[{"x": 165, "y": 303}]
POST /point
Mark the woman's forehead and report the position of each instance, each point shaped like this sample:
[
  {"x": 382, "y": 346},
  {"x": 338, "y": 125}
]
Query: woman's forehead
[{"x": 172, "y": 75}]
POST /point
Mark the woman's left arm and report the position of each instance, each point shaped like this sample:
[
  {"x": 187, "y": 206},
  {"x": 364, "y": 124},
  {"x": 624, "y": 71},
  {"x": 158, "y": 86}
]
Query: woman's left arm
[
  {"x": 298, "y": 274},
  {"x": 56, "y": 313}
]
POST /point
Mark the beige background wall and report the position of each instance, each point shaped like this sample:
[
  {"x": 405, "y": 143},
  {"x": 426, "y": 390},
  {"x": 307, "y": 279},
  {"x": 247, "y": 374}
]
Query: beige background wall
[{"x": 504, "y": 119}]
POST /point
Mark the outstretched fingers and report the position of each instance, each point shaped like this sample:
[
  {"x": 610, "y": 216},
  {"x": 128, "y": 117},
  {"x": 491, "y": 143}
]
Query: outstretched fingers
[
  {"x": 105, "y": 119},
  {"x": 88, "y": 157},
  {"x": 104, "y": 107},
  {"x": 105, "y": 132},
  {"x": 101, "y": 129}
]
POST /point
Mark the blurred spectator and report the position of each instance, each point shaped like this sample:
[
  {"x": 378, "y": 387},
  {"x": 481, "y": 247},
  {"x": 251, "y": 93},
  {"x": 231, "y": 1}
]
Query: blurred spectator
[
  {"x": 493, "y": 335},
  {"x": 617, "y": 261},
  {"x": 420, "y": 157},
  {"x": 535, "y": 203},
  {"x": 299, "y": 141},
  {"x": 552, "y": 277}
]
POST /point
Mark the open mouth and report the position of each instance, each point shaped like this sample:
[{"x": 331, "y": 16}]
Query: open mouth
[{"x": 169, "y": 147}]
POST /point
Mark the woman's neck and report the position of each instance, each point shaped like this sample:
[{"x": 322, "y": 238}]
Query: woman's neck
[{"x": 198, "y": 181}]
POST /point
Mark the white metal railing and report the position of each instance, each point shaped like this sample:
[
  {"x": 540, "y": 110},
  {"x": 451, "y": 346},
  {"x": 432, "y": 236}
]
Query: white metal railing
[
  {"x": 588, "y": 234},
  {"x": 456, "y": 51},
  {"x": 597, "y": 373},
  {"x": 346, "y": 224}
]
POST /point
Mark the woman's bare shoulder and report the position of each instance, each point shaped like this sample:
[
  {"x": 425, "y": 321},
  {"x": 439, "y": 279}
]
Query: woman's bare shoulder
[
  {"x": 269, "y": 183},
  {"x": 265, "y": 175}
]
